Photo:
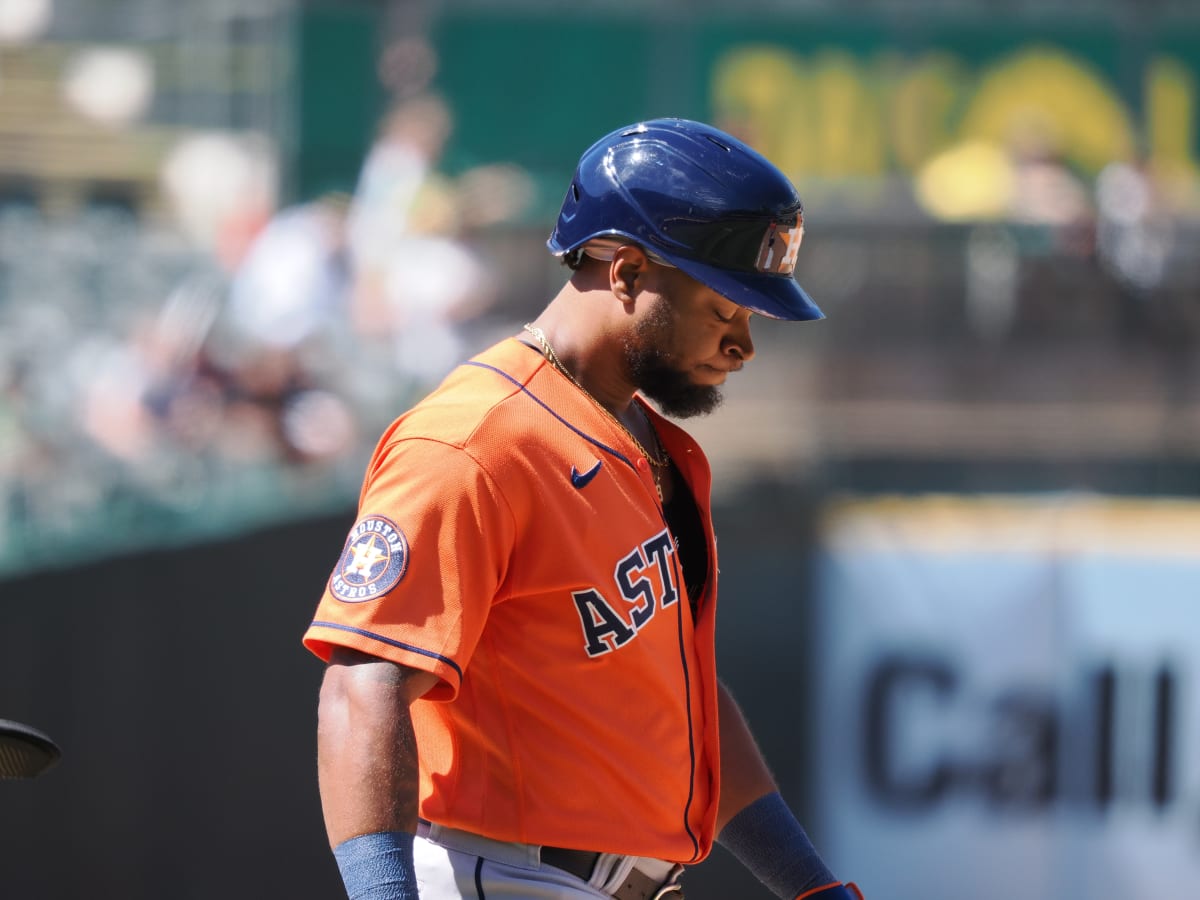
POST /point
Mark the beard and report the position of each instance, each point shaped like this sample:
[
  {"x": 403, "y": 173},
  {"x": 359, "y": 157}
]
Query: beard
[{"x": 650, "y": 367}]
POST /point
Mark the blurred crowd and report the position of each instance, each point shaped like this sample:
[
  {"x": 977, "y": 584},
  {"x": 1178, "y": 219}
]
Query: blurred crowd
[
  {"x": 236, "y": 362},
  {"x": 226, "y": 358},
  {"x": 150, "y": 385},
  {"x": 1025, "y": 202}
]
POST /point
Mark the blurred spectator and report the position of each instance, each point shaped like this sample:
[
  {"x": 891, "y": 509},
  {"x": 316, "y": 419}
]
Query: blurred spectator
[
  {"x": 1024, "y": 181},
  {"x": 293, "y": 280},
  {"x": 1135, "y": 238},
  {"x": 415, "y": 283},
  {"x": 398, "y": 193},
  {"x": 1135, "y": 232},
  {"x": 231, "y": 352},
  {"x": 1044, "y": 189},
  {"x": 221, "y": 189}
]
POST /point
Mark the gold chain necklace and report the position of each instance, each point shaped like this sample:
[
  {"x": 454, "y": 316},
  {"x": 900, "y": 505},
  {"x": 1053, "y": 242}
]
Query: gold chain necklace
[{"x": 659, "y": 461}]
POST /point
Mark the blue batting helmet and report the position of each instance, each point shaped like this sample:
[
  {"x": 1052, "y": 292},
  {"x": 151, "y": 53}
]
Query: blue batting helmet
[{"x": 697, "y": 199}]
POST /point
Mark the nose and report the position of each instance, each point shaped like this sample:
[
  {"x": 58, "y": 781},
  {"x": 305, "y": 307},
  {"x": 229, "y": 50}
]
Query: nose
[{"x": 738, "y": 344}]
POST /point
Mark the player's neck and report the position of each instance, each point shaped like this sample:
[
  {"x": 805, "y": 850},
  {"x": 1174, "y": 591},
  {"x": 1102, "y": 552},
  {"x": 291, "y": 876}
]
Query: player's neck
[
  {"x": 591, "y": 363},
  {"x": 587, "y": 346}
]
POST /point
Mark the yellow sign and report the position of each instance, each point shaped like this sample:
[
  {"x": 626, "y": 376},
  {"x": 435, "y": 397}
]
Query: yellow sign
[{"x": 832, "y": 114}]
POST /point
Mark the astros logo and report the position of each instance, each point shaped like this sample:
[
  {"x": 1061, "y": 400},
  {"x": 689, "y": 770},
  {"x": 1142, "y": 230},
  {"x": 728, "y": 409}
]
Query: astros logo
[
  {"x": 374, "y": 561},
  {"x": 780, "y": 245}
]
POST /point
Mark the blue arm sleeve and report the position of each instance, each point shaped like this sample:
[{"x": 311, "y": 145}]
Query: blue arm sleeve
[
  {"x": 769, "y": 841},
  {"x": 378, "y": 866}
]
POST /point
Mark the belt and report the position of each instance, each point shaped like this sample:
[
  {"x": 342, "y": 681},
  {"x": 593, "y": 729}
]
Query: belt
[{"x": 638, "y": 886}]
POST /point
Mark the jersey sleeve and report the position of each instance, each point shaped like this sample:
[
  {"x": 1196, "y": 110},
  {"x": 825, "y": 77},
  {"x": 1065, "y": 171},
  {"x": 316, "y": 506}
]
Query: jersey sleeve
[{"x": 422, "y": 565}]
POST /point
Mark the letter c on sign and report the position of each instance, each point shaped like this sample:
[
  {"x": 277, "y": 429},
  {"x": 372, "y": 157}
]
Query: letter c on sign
[{"x": 893, "y": 678}]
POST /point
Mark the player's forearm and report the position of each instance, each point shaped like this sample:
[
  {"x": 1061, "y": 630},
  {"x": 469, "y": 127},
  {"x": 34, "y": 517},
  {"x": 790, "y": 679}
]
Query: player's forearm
[
  {"x": 755, "y": 824},
  {"x": 745, "y": 776}
]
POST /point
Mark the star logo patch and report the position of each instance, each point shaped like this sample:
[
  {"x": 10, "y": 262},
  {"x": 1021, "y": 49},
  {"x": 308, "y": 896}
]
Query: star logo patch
[{"x": 373, "y": 562}]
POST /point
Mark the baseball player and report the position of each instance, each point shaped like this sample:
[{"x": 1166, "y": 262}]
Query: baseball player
[{"x": 521, "y": 697}]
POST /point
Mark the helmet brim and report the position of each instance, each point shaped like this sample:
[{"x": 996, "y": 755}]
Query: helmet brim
[{"x": 770, "y": 295}]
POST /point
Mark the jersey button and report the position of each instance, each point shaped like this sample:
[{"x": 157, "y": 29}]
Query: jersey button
[{"x": 642, "y": 464}]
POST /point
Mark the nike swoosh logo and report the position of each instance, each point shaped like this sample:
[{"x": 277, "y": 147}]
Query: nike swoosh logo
[{"x": 582, "y": 479}]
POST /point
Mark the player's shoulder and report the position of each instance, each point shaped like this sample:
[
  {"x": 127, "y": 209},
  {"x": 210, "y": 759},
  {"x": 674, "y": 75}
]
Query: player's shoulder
[{"x": 471, "y": 407}]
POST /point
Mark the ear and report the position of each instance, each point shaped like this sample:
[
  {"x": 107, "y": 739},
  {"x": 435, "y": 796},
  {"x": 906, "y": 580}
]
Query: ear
[{"x": 626, "y": 271}]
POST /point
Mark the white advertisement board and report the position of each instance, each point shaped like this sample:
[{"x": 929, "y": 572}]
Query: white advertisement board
[{"x": 1008, "y": 702}]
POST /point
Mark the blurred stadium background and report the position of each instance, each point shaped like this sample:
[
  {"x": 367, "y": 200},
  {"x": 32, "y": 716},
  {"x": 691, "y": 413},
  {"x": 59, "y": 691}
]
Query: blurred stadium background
[{"x": 959, "y": 522}]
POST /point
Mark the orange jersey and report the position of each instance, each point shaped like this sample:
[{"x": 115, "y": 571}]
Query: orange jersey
[{"x": 510, "y": 540}]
